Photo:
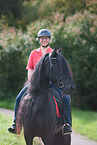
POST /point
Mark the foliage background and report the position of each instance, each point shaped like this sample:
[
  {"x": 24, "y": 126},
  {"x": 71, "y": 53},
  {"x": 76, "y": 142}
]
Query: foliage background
[{"x": 73, "y": 25}]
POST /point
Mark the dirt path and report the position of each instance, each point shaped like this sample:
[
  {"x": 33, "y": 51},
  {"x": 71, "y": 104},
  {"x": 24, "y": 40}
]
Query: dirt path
[{"x": 77, "y": 139}]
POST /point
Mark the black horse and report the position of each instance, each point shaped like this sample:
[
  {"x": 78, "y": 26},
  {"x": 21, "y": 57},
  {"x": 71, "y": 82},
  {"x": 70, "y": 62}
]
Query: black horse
[{"x": 37, "y": 111}]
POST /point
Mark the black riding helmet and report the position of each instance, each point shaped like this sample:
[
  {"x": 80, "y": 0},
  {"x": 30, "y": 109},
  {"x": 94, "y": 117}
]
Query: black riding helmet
[{"x": 44, "y": 32}]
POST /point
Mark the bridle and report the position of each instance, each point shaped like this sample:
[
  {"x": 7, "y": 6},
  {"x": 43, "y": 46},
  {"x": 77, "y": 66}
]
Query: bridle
[{"x": 59, "y": 82}]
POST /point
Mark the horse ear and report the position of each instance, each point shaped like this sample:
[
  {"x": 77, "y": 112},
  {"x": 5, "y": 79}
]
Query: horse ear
[
  {"x": 59, "y": 50},
  {"x": 54, "y": 51}
]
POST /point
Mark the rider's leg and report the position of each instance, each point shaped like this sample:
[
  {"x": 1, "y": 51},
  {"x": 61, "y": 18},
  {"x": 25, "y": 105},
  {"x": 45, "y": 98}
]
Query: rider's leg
[
  {"x": 22, "y": 93},
  {"x": 66, "y": 115},
  {"x": 66, "y": 111}
]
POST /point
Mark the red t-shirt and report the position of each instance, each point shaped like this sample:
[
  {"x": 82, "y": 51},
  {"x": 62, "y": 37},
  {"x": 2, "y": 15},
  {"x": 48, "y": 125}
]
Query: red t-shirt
[{"x": 35, "y": 56}]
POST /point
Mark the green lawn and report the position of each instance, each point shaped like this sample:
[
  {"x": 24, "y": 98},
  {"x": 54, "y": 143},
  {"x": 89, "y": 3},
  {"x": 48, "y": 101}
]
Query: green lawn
[
  {"x": 85, "y": 122},
  {"x": 5, "y": 137}
]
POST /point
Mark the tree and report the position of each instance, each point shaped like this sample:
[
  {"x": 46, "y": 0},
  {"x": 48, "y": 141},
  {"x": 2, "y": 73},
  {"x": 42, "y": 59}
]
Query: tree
[{"x": 10, "y": 7}]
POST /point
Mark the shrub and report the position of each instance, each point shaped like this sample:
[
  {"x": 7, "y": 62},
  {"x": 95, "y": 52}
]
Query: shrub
[{"x": 13, "y": 59}]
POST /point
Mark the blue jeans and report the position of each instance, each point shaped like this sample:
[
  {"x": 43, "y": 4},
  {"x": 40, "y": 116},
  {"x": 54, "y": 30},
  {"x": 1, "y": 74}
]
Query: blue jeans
[
  {"x": 66, "y": 110},
  {"x": 66, "y": 101},
  {"x": 22, "y": 93}
]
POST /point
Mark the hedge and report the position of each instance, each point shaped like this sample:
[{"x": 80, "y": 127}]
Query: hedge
[{"x": 78, "y": 38}]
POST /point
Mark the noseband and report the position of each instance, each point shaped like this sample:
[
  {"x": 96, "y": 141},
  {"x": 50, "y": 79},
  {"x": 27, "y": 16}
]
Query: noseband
[{"x": 59, "y": 83}]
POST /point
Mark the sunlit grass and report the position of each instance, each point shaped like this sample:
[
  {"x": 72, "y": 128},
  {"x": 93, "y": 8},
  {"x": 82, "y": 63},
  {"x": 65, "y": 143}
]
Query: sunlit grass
[
  {"x": 7, "y": 138},
  {"x": 85, "y": 122}
]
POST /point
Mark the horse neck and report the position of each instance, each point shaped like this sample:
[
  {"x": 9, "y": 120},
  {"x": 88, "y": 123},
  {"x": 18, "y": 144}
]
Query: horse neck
[
  {"x": 39, "y": 85},
  {"x": 43, "y": 84}
]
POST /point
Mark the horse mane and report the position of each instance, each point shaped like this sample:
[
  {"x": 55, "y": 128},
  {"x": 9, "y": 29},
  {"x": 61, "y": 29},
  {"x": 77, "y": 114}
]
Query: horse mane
[
  {"x": 71, "y": 73},
  {"x": 68, "y": 66}
]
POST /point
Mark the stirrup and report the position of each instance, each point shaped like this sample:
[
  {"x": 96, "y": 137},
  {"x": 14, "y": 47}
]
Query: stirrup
[
  {"x": 12, "y": 129},
  {"x": 63, "y": 129}
]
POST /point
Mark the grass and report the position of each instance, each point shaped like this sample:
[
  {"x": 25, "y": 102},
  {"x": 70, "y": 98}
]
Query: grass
[
  {"x": 8, "y": 103},
  {"x": 85, "y": 122},
  {"x": 7, "y": 138}
]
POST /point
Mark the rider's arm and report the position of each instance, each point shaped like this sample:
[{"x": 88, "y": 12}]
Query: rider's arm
[{"x": 30, "y": 71}]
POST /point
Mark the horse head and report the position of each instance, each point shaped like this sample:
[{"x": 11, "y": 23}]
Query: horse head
[{"x": 58, "y": 72}]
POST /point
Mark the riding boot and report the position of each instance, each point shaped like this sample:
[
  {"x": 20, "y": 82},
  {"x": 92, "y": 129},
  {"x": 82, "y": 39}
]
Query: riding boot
[
  {"x": 12, "y": 129},
  {"x": 66, "y": 115}
]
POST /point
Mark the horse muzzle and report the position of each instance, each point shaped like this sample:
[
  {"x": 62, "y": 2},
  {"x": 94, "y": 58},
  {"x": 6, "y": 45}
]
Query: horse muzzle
[{"x": 69, "y": 90}]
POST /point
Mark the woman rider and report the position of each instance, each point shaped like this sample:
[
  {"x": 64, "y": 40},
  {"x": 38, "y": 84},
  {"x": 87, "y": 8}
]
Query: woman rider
[{"x": 44, "y": 37}]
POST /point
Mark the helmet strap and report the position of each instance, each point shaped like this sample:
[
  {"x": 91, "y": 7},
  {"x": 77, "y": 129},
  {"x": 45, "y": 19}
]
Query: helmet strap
[{"x": 46, "y": 45}]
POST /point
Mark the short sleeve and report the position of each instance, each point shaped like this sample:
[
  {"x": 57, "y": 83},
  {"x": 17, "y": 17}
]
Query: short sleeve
[{"x": 30, "y": 61}]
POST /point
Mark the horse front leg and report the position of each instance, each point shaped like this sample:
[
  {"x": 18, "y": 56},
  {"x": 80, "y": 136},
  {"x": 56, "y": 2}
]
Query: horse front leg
[
  {"x": 47, "y": 140},
  {"x": 28, "y": 139},
  {"x": 60, "y": 139}
]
